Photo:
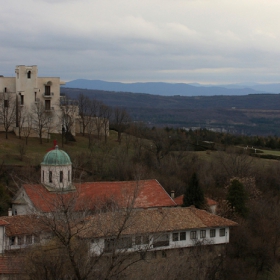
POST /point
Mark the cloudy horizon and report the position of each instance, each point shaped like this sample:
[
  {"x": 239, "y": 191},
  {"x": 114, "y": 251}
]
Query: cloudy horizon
[{"x": 188, "y": 41}]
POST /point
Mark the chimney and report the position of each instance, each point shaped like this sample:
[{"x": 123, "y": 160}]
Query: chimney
[
  {"x": 10, "y": 213},
  {"x": 172, "y": 194}
]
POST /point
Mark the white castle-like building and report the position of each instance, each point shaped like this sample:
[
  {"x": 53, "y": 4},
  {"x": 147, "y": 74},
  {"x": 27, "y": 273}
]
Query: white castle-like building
[
  {"x": 26, "y": 98},
  {"x": 27, "y": 90}
]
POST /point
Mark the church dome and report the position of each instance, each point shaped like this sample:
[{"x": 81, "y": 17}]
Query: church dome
[{"x": 56, "y": 157}]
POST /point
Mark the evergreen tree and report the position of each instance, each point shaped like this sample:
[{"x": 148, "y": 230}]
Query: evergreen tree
[
  {"x": 237, "y": 197},
  {"x": 193, "y": 194}
]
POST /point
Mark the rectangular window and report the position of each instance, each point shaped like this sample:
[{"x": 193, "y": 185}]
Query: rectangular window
[
  {"x": 175, "y": 236},
  {"x": 178, "y": 236},
  {"x": 212, "y": 232},
  {"x": 203, "y": 234},
  {"x": 222, "y": 231},
  {"x": 182, "y": 235},
  {"x": 50, "y": 177},
  {"x": 6, "y": 103},
  {"x": 28, "y": 239},
  {"x": 68, "y": 175},
  {"x": 47, "y": 90},
  {"x": 20, "y": 240},
  {"x": 161, "y": 240},
  {"x": 61, "y": 176},
  {"x": 12, "y": 240},
  {"x": 146, "y": 239},
  {"x": 193, "y": 235},
  {"x": 138, "y": 240},
  {"x": 47, "y": 104},
  {"x": 43, "y": 175},
  {"x": 124, "y": 243},
  {"x": 109, "y": 245},
  {"x": 22, "y": 100}
]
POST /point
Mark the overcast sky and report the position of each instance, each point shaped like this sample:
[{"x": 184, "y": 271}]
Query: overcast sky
[{"x": 207, "y": 41}]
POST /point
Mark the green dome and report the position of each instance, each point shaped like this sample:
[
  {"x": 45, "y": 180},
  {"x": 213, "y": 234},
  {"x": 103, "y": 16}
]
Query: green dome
[{"x": 56, "y": 157}]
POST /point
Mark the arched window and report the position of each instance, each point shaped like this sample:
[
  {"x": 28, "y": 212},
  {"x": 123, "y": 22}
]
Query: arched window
[
  {"x": 29, "y": 75},
  {"x": 50, "y": 176},
  {"x": 61, "y": 176}
]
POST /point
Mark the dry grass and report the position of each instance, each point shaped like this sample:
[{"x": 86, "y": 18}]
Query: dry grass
[{"x": 10, "y": 155}]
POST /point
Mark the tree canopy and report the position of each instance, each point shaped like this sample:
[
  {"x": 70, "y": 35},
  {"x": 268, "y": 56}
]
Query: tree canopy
[
  {"x": 193, "y": 194},
  {"x": 237, "y": 197}
]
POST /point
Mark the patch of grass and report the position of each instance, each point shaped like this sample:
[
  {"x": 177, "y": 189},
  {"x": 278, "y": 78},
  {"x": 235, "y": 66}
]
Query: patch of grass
[{"x": 9, "y": 153}]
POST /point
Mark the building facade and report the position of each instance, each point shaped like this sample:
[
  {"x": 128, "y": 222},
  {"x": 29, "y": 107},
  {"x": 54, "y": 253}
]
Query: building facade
[{"x": 26, "y": 93}]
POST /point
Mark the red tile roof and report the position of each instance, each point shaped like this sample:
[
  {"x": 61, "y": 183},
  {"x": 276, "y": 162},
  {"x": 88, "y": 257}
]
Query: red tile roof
[
  {"x": 138, "y": 194},
  {"x": 209, "y": 201},
  {"x": 152, "y": 221},
  {"x": 3, "y": 223},
  {"x": 22, "y": 225}
]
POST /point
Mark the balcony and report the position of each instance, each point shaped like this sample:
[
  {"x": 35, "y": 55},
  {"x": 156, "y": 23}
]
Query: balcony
[
  {"x": 49, "y": 109},
  {"x": 48, "y": 95}
]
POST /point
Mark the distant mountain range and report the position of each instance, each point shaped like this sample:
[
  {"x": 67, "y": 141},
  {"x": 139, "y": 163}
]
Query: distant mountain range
[{"x": 170, "y": 89}]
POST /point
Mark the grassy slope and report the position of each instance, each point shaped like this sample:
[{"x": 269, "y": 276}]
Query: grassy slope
[{"x": 9, "y": 148}]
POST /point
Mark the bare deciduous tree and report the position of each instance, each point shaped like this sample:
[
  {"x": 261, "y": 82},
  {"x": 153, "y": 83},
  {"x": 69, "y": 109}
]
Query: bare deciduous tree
[
  {"x": 120, "y": 121},
  {"x": 42, "y": 119},
  {"x": 8, "y": 109}
]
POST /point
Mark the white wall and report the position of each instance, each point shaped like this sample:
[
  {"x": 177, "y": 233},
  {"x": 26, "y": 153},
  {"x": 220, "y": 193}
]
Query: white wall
[
  {"x": 97, "y": 246},
  {"x": 2, "y": 239}
]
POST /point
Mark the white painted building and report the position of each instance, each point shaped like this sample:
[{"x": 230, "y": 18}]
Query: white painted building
[
  {"x": 153, "y": 221},
  {"x": 156, "y": 229},
  {"x": 28, "y": 90}
]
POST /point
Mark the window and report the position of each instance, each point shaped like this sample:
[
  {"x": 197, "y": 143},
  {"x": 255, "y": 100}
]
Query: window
[
  {"x": 28, "y": 74},
  {"x": 28, "y": 239},
  {"x": 222, "y": 231},
  {"x": 124, "y": 243},
  {"x": 203, "y": 234},
  {"x": 20, "y": 240},
  {"x": 36, "y": 238},
  {"x": 6, "y": 103},
  {"x": 161, "y": 240},
  {"x": 182, "y": 235},
  {"x": 212, "y": 232},
  {"x": 12, "y": 240},
  {"x": 47, "y": 90},
  {"x": 43, "y": 175},
  {"x": 68, "y": 175},
  {"x": 61, "y": 176},
  {"x": 193, "y": 235},
  {"x": 22, "y": 100},
  {"x": 47, "y": 104},
  {"x": 138, "y": 240},
  {"x": 175, "y": 236},
  {"x": 5, "y": 89},
  {"x": 141, "y": 239},
  {"x": 50, "y": 176}
]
